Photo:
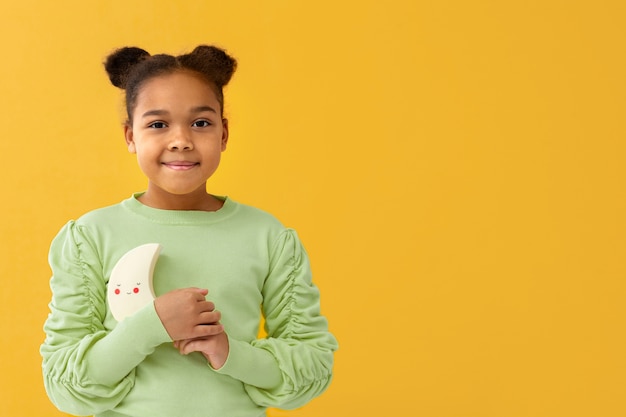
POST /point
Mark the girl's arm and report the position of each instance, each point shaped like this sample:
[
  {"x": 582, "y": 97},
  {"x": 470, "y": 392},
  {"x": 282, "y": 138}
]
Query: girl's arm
[
  {"x": 294, "y": 363},
  {"x": 88, "y": 369}
]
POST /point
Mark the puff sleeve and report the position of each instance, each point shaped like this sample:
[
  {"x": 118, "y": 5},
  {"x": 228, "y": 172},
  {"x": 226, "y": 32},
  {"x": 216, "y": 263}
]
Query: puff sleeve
[
  {"x": 87, "y": 368},
  {"x": 293, "y": 364}
]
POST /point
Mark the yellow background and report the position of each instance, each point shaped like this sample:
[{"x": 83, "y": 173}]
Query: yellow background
[{"x": 455, "y": 169}]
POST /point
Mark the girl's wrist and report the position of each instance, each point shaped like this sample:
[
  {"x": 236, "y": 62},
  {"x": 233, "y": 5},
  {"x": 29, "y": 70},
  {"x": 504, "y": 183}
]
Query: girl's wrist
[{"x": 218, "y": 358}]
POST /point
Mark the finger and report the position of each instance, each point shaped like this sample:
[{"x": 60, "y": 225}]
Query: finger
[
  {"x": 178, "y": 344},
  {"x": 204, "y": 330},
  {"x": 204, "y": 306},
  {"x": 209, "y": 317},
  {"x": 189, "y": 347},
  {"x": 199, "y": 293},
  {"x": 197, "y": 345},
  {"x": 204, "y": 291},
  {"x": 182, "y": 345}
]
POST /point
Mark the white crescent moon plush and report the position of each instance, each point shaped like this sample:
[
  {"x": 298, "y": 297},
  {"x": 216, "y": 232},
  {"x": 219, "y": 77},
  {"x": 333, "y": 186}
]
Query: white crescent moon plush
[{"x": 130, "y": 284}]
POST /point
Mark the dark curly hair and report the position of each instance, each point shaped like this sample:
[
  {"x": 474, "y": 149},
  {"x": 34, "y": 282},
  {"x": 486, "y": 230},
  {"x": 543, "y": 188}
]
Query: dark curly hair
[{"x": 130, "y": 67}]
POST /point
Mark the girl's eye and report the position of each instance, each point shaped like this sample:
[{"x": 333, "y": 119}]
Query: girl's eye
[
  {"x": 201, "y": 123},
  {"x": 157, "y": 125}
]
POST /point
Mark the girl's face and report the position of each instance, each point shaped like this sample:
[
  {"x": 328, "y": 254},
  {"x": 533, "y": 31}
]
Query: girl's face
[{"x": 178, "y": 135}]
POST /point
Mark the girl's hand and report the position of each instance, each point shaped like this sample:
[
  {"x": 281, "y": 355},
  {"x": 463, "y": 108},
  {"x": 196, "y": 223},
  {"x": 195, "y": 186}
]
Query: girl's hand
[
  {"x": 186, "y": 314},
  {"x": 214, "y": 348}
]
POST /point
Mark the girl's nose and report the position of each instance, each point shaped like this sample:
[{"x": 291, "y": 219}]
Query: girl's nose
[{"x": 180, "y": 141}]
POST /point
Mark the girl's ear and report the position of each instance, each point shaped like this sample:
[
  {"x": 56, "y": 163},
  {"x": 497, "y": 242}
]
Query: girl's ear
[
  {"x": 224, "y": 134},
  {"x": 128, "y": 134}
]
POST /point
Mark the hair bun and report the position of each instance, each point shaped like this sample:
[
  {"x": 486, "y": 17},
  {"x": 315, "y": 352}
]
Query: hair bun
[
  {"x": 121, "y": 61},
  {"x": 211, "y": 60}
]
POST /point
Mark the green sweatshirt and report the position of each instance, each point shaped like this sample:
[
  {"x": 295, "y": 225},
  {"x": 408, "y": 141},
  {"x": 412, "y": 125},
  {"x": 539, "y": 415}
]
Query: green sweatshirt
[{"x": 253, "y": 267}]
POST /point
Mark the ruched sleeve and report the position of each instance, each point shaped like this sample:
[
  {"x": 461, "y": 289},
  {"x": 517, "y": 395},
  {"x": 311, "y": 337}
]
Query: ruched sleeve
[
  {"x": 87, "y": 368},
  {"x": 293, "y": 364}
]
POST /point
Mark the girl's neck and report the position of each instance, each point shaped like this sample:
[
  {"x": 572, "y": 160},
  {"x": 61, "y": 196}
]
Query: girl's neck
[{"x": 199, "y": 200}]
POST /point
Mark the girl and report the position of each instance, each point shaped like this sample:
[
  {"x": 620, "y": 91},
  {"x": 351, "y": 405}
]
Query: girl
[{"x": 182, "y": 355}]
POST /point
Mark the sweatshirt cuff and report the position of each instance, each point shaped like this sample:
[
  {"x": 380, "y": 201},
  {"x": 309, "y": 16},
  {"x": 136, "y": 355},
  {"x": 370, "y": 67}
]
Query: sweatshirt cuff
[
  {"x": 129, "y": 342},
  {"x": 242, "y": 357},
  {"x": 147, "y": 327}
]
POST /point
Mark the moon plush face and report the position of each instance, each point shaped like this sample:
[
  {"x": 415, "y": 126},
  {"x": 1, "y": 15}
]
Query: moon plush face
[
  {"x": 130, "y": 284},
  {"x": 119, "y": 290}
]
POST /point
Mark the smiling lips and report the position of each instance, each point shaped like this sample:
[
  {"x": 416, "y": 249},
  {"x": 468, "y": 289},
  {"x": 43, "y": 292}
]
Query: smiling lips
[{"x": 180, "y": 165}]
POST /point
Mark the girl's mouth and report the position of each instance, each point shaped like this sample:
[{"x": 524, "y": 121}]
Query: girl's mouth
[{"x": 180, "y": 165}]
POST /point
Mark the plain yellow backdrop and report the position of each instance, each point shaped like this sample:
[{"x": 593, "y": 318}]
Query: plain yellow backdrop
[{"x": 456, "y": 170}]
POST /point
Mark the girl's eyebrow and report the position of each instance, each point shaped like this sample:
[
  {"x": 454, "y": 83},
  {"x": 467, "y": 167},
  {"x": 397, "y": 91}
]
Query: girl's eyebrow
[
  {"x": 199, "y": 109},
  {"x": 155, "y": 113}
]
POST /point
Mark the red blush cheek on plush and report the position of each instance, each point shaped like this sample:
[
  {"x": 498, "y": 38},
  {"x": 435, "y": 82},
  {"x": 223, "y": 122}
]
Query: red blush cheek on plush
[
  {"x": 136, "y": 290},
  {"x": 117, "y": 291}
]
